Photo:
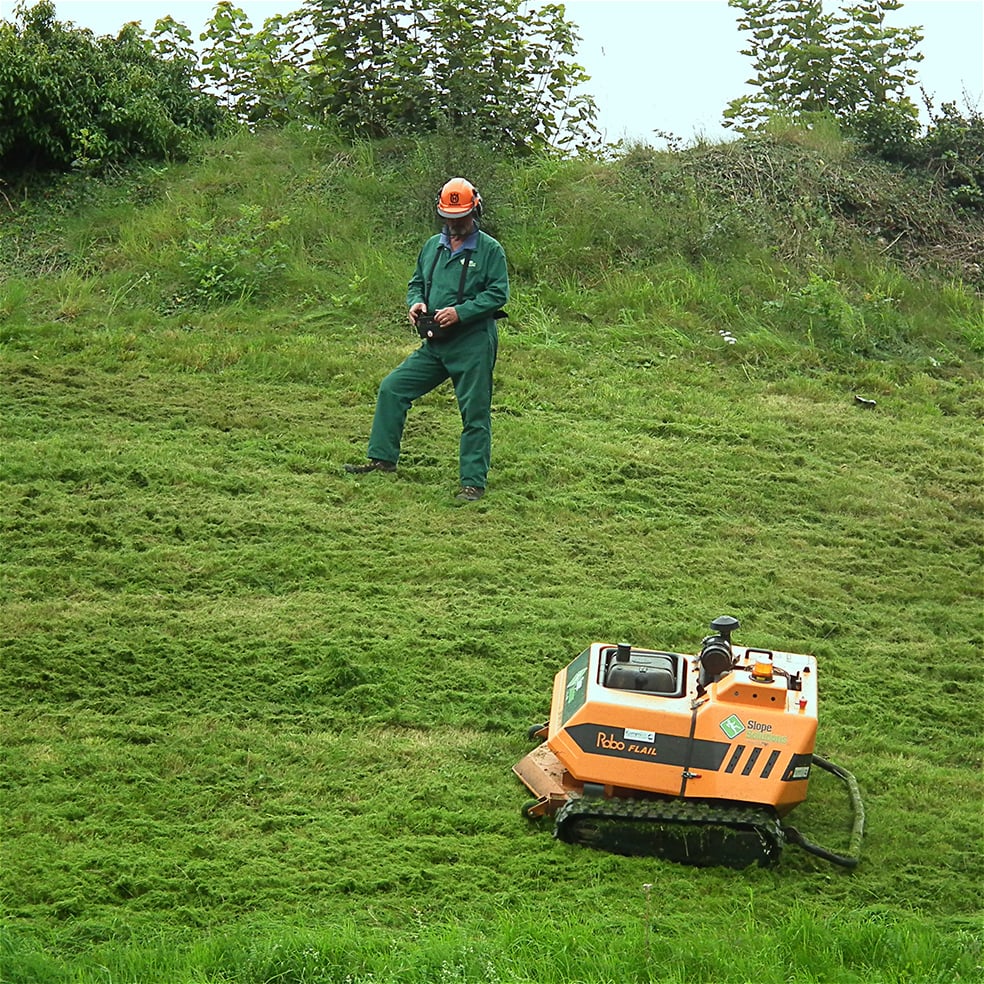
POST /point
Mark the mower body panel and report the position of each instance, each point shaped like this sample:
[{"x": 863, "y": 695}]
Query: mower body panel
[{"x": 644, "y": 724}]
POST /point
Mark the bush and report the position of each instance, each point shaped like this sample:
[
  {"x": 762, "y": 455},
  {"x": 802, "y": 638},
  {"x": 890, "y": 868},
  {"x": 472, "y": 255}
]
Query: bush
[
  {"x": 237, "y": 264},
  {"x": 886, "y": 129},
  {"x": 72, "y": 100},
  {"x": 954, "y": 148}
]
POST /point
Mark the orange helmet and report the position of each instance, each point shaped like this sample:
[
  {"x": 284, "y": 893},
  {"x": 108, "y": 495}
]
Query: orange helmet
[{"x": 458, "y": 199}]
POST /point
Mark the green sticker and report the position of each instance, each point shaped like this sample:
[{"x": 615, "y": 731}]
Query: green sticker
[
  {"x": 732, "y": 726},
  {"x": 575, "y": 691}
]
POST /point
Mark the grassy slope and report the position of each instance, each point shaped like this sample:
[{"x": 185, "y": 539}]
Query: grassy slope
[{"x": 260, "y": 716}]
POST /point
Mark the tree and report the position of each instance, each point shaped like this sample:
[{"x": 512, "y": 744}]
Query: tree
[
  {"x": 70, "y": 99},
  {"x": 793, "y": 56},
  {"x": 263, "y": 76},
  {"x": 852, "y": 66},
  {"x": 488, "y": 70}
]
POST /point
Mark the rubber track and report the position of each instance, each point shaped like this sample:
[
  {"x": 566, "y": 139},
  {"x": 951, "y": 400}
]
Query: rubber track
[{"x": 688, "y": 831}]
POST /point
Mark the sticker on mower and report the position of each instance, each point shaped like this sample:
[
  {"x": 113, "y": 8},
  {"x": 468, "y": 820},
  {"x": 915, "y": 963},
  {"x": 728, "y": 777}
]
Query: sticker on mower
[
  {"x": 575, "y": 691},
  {"x": 732, "y": 726},
  {"x": 663, "y": 749}
]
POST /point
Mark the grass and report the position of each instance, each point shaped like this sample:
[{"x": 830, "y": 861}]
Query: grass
[{"x": 259, "y": 716}]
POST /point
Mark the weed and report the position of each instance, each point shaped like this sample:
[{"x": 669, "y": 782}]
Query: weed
[
  {"x": 13, "y": 300},
  {"x": 236, "y": 265}
]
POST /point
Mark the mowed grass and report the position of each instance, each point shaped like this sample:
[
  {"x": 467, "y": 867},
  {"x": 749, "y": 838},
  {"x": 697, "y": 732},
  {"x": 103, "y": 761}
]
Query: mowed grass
[{"x": 260, "y": 716}]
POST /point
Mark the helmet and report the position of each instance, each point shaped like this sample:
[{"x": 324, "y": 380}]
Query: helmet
[{"x": 459, "y": 198}]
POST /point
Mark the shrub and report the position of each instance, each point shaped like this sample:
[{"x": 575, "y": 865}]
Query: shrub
[
  {"x": 72, "y": 100},
  {"x": 954, "y": 148},
  {"x": 237, "y": 264}
]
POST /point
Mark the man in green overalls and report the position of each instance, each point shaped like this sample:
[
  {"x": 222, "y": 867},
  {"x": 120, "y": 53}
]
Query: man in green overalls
[{"x": 455, "y": 296}]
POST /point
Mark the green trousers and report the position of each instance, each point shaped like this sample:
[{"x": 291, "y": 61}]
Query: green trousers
[{"x": 467, "y": 361}]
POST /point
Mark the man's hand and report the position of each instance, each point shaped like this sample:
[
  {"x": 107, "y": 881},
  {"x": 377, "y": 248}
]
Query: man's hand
[
  {"x": 415, "y": 310},
  {"x": 446, "y": 317}
]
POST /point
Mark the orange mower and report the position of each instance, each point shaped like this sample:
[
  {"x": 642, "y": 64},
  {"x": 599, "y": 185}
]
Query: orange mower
[{"x": 696, "y": 759}]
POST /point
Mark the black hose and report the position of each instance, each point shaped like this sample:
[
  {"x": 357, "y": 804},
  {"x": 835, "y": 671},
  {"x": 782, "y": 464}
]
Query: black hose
[{"x": 851, "y": 859}]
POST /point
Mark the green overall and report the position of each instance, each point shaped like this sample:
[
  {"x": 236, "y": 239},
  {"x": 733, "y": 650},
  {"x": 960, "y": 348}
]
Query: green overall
[{"x": 467, "y": 357}]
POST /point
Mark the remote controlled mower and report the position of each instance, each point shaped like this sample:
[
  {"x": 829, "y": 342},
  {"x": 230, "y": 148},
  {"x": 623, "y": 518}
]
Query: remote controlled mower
[{"x": 697, "y": 759}]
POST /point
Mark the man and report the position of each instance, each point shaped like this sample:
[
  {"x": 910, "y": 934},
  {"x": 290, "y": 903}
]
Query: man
[{"x": 457, "y": 291}]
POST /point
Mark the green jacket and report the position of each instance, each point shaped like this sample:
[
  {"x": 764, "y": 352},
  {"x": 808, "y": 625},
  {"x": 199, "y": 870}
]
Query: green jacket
[{"x": 486, "y": 287}]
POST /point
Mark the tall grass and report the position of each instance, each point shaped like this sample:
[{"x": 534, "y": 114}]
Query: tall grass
[
  {"x": 260, "y": 715},
  {"x": 528, "y": 946}
]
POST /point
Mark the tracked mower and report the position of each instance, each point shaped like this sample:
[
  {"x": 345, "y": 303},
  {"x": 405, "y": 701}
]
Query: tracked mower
[{"x": 697, "y": 759}]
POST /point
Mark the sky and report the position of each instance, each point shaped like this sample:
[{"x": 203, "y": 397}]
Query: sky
[{"x": 656, "y": 66}]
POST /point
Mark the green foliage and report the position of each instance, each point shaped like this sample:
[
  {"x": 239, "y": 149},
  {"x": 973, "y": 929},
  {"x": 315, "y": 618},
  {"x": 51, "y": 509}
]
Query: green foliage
[
  {"x": 499, "y": 72},
  {"x": 802, "y": 193},
  {"x": 887, "y": 129},
  {"x": 879, "y": 60},
  {"x": 814, "y": 67},
  {"x": 502, "y": 74},
  {"x": 794, "y": 59},
  {"x": 953, "y": 148},
  {"x": 824, "y": 312},
  {"x": 71, "y": 100},
  {"x": 808, "y": 61},
  {"x": 262, "y": 74},
  {"x": 236, "y": 264}
]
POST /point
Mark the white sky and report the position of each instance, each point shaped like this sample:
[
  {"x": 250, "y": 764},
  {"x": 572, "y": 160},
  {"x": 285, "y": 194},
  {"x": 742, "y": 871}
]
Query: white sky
[{"x": 656, "y": 65}]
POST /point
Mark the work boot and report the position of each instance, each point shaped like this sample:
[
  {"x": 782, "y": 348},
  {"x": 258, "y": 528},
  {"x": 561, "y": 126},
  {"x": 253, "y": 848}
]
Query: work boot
[
  {"x": 468, "y": 493},
  {"x": 373, "y": 464}
]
